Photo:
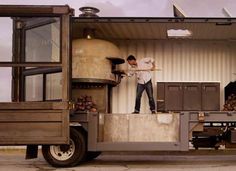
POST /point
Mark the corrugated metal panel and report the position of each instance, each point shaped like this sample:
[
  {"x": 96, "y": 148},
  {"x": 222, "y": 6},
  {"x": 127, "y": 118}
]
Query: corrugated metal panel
[
  {"x": 155, "y": 30},
  {"x": 180, "y": 60}
]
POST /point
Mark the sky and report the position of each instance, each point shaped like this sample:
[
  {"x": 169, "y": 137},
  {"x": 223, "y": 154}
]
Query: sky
[
  {"x": 148, "y": 8},
  {"x": 112, "y": 8}
]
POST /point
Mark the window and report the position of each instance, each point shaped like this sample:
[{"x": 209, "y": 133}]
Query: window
[
  {"x": 6, "y": 39},
  {"x": 34, "y": 88},
  {"x": 43, "y": 87},
  {"x": 6, "y": 56},
  {"x": 42, "y": 43},
  {"x": 53, "y": 86}
]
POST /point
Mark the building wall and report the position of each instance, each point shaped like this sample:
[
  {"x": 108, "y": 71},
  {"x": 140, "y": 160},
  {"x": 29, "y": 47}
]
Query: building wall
[{"x": 180, "y": 60}]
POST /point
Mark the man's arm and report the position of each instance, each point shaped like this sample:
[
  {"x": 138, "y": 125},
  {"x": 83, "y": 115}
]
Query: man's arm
[
  {"x": 152, "y": 61},
  {"x": 153, "y": 66},
  {"x": 130, "y": 73}
]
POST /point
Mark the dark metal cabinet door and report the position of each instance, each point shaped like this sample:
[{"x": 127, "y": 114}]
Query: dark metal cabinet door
[
  {"x": 160, "y": 96},
  {"x": 173, "y": 96},
  {"x": 192, "y": 96},
  {"x": 211, "y": 96}
]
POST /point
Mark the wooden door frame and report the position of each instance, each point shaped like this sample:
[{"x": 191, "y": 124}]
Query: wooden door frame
[
  {"x": 35, "y": 109},
  {"x": 65, "y": 13}
]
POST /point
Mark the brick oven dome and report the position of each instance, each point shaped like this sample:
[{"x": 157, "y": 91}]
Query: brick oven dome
[{"x": 89, "y": 59}]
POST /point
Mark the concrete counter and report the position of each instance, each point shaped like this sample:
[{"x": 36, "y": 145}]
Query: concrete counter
[{"x": 162, "y": 127}]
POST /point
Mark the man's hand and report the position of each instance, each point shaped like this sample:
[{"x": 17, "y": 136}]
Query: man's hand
[
  {"x": 124, "y": 72},
  {"x": 153, "y": 66}
]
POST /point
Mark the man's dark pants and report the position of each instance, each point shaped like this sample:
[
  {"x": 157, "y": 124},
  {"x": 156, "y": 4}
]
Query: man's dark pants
[{"x": 149, "y": 90}]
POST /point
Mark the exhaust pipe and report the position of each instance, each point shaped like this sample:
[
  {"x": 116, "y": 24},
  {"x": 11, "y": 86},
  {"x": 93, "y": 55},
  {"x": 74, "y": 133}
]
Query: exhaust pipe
[{"x": 89, "y": 12}]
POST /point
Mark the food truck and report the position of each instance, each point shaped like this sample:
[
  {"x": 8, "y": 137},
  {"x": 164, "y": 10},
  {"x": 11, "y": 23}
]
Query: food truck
[{"x": 70, "y": 95}]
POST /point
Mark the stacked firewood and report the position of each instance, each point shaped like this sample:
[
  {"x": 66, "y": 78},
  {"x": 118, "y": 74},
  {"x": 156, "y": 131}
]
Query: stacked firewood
[
  {"x": 86, "y": 104},
  {"x": 230, "y": 104}
]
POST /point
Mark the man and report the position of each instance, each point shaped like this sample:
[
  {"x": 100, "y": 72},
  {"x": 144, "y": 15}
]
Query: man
[{"x": 142, "y": 69}]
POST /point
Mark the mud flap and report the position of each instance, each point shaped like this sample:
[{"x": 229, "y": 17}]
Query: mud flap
[{"x": 31, "y": 152}]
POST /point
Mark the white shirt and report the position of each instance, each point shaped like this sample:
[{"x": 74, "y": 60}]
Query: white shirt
[{"x": 143, "y": 76}]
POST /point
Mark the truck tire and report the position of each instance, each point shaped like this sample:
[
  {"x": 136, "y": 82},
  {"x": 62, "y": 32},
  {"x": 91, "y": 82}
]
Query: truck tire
[
  {"x": 92, "y": 155},
  {"x": 66, "y": 155}
]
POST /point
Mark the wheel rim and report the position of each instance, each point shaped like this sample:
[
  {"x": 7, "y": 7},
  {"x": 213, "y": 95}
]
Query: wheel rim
[{"x": 61, "y": 155}]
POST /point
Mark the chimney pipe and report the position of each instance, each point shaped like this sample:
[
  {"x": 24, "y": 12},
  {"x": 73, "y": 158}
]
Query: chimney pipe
[{"x": 89, "y": 12}]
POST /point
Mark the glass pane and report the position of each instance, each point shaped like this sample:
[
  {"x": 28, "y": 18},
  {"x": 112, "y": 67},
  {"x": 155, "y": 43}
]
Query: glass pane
[
  {"x": 5, "y": 39},
  {"x": 43, "y": 42},
  {"x": 34, "y": 88},
  {"x": 5, "y": 84},
  {"x": 53, "y": 86}
]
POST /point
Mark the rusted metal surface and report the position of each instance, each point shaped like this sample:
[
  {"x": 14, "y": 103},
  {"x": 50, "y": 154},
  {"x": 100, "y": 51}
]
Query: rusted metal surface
[
  {"x": 30, "y": 64},
  {"x": 34, "y": 10},
  {"x": 153, "y": 29},
  {"x": 33, "y": 105}
]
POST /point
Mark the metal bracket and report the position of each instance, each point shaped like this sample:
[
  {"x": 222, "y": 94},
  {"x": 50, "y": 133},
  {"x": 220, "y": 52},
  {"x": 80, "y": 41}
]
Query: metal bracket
[
  {"x": 201, "y": 117},
  {"x": 71, "y": 105},
  {"x": 19, "y": 25},
  {"x": 229, "y": 113}
]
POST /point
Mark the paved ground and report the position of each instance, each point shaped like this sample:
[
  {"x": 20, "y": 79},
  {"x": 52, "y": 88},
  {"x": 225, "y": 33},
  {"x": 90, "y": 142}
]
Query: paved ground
[{"x": 14, "y": 161}]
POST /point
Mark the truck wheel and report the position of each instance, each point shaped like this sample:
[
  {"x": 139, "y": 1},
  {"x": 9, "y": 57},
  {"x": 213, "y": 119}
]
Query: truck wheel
[
  {"x": 92, "y": 155},
  {"x": 66, "y": 155}
]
